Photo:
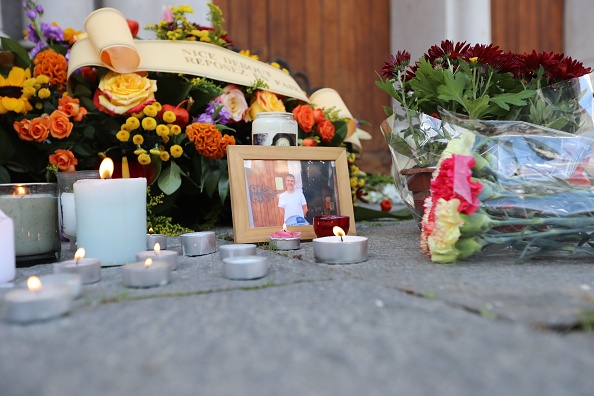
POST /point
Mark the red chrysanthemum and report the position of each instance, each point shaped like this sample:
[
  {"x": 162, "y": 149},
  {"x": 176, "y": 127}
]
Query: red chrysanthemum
[
  {"x": 484, "y": 54},
  {"x": 394, "y": 64},
  {"x": 447, "y": 50}
]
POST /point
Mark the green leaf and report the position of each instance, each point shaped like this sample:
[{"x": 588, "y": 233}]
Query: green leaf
[
  {"x": 224, "y": 186},
  {"x": 210, "y": 176},
  {"x": 452, "y": 88},
  {"x": 21, "y": 56},
  {"x": 503, "y": 100},
  {"x": 170, "y": 179}
]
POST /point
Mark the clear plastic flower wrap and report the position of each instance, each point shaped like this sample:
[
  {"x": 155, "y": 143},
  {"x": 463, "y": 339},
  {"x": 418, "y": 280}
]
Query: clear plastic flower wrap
[{"x": 512, "y": 185}]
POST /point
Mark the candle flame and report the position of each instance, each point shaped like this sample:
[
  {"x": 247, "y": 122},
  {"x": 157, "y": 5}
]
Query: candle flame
[
  {"x": 284, "y": 227},
  {"x": 151, "y": 231},
  {"x": 339, "y": 232},
  {"x": 148, "y": 262},
  {"x": 34, "y": 283},
  {"x": 80, "y": 253},
  {"x": 106, "y": 168},
  {"x": 20, "y": 190},
  {"x": 157, "y": 248}
]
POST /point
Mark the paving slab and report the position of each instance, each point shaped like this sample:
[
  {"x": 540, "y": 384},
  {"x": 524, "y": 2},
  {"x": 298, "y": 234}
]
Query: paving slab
[{"x": 395, "y": 324}]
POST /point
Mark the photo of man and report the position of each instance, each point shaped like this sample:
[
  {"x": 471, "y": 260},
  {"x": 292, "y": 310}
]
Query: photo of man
[{"x": 293, "y": 203}]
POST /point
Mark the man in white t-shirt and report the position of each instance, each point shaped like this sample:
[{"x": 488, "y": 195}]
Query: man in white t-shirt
[{"x": 294, "y": 204}]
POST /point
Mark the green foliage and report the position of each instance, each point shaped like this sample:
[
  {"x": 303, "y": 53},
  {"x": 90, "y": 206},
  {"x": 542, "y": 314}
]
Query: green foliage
[{"x": 161, "y": 224}]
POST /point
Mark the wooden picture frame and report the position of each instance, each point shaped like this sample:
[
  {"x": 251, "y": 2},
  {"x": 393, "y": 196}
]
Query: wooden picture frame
[{"x": 326, "y": 165}]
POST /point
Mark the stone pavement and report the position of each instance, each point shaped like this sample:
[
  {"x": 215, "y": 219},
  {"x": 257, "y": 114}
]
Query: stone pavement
[{"x": 394, "y": 325}]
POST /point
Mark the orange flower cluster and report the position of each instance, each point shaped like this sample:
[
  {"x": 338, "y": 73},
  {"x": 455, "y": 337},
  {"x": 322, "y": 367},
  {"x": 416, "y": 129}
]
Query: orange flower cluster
[
  {"x": 208, "y": 140},
  {"x": 53, "y": 65},
  {"x": 313, "y": 120},
  {"x": 64, "y": 160}
]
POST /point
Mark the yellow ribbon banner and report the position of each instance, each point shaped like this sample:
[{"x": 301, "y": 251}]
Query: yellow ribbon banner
[{"x": 193, "y": 58}]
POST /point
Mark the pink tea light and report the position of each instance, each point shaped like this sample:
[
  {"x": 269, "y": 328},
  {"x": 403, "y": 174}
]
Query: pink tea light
[{"x": 285, "y": 239}]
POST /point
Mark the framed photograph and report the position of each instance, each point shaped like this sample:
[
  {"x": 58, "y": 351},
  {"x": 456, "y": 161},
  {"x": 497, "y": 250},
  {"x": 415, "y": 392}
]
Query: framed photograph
[{"x": 272, "y": 186}]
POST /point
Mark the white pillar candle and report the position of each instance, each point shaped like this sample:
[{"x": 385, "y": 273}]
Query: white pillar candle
[
  {"x": 7, "y": 256},
  {"x": 35, "y": 217},
  {"x": 36, "y": 303},
  {"x": 111, "y": 217},
  {"x": 146, "y": 274}
]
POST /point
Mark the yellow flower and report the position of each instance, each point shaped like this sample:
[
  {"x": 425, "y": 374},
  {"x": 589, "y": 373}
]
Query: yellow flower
[
  {"x": 354, "y": 169},
  {"x": 446, "y": 233},
  {"x": 175, "y": 129},
  {"x": 157, "y": 106},
  {"x": 138, "y": 139},
  {"x": 12, "y": 97},
  {"x": 42, "y": 79},
  {"x": 353, "y": 182},
  {"x": 123, "y": 136},
  {"x": 144, "y": 159},
  {"x": 125, "y": 127},
  {"x": 126, "y": 93},
  {"x": 176, "y": 151},
  {"x": 149, "y": 123},
  {"x": 275, "y": 64},
  {"x": 165, "y": 139},
  {"x": 155, "y": 151},
  {"x": 249, "y": 55},
  {"x": 473, "y": 59},
  {"x": 169, "y": 116},
  {"x": 162, "y": 130},
  {"x": 164, "y": 156},
  {"x": 150, "y": 111},
  {"x": 361, "y": 182},
  {"x": 43, "y": 93},
  {"x": 264, "y": 101},
  {"x": 139, "y": 151},
  {"x": 133, "y": 123}
]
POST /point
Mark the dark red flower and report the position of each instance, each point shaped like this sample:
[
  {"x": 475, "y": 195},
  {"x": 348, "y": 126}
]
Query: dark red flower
[
  {"x": 447, "y": 50},
  {"x": 394, "y": 64},
  {"x": 567, "y": 69},
  {"x": 455, "y": 181},
  {"x": 530, "y": 63},
  {"x": 483, "y": 54}
]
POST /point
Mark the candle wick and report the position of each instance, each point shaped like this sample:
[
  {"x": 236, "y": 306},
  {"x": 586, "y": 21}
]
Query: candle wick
[
  {"x": 76, "y": 262},
  {"x": 341, "y": 239}
]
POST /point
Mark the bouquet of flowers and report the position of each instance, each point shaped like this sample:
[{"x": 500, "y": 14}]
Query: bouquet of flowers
[
  {"x": 475, "y": 82},
  {"x": 171, "y": 128},
  {"x": 527, "y": 190}
]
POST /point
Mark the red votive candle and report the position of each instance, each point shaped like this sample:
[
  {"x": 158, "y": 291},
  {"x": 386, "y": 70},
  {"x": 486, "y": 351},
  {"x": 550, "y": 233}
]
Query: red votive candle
[{"x": 323, "y": 225}]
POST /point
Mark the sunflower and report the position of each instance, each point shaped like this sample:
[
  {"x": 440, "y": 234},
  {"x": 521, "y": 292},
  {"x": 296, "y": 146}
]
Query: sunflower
[{"x": 15, "y": 91}]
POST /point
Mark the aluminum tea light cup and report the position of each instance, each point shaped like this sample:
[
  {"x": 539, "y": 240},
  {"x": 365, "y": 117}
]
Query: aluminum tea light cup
[
  {"x": 245, "y": 267},
  {"x": 157, "y": 254},
  {"x": 89, "y": 269},
  {"x": 285, "y": 239},
  {"x": 347, "y": 249},
  {"x": 36, "y": 303},
  {"x": 152, "y": 239},
  {"x": 198, "y": 243},
  {"x": 146, "y": 274},
  {"x": 237, "y": 250}
]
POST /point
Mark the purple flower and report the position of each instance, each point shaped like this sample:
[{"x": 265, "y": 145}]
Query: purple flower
[
  {"x": 204, "y": 118},
  {"x": 223, "y": 116},
  {"x": 52, "y": 32},
  {"x": 31, "y": 14},
  {"x": 40, "y": 9}
]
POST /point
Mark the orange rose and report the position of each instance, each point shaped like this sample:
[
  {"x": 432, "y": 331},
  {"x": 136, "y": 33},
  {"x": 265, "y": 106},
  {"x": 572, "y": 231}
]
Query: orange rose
[
  {"x": 64, "y": 160},
  {"x": 72, "y": 108},
  {"x": 208, "y": 140},
  {"x": 326, "y": 131},
  {"x": 35, "y": 129},
  {"x": 304, "y": 115},
  {"x": 263, "y": 101},
  {"x": 318, "y": 115},
  {"x": 59, "y": 125}
]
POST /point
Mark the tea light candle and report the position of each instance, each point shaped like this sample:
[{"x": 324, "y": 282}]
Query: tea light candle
[
  {"x": 323, "y": 225},
  {"x": 237, "y": 250},
  {"x": 244, "y": 267},
  {"x": 152, "y": 238},
  {"x": 146, "y": 274},
  {"x": 111, "y": 216},
  {"x": 198, "y": 243},
  {"x": 89, "y": 269},
  {"x": 72, "y": 281},
  {"x": 168, "y": 256},
  {"x": 285, "y": 239},
  {"x": 340, "y": 249},
  {"x": 7, "y": 256},
  {"x": 36, "y": 303}
]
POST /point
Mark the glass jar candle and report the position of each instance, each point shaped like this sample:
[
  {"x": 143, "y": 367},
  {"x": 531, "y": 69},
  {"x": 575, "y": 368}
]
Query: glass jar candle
[
  {"x": 33, "y": 208},
  {"x": 274, "y": 128}
]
